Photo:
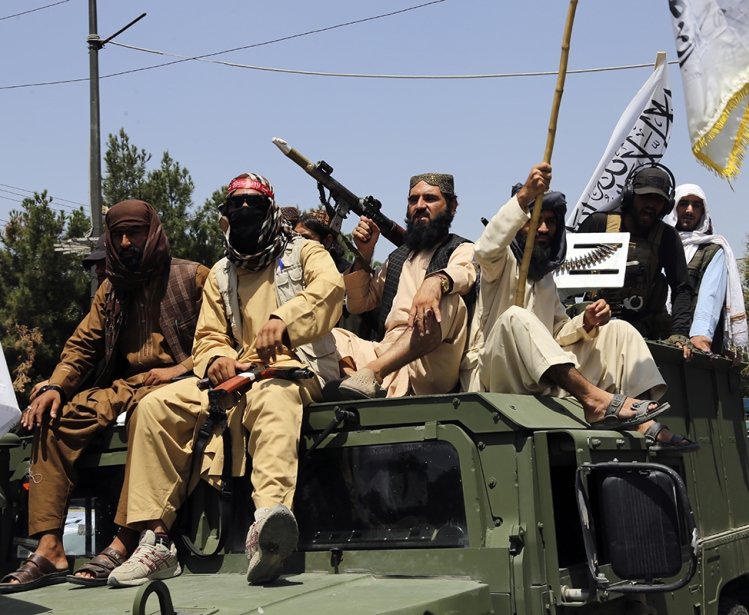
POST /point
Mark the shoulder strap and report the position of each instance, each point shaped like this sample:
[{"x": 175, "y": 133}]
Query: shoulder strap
[
  {"x": 613, "y": 223},
  {"x": 395, "y": 265}
]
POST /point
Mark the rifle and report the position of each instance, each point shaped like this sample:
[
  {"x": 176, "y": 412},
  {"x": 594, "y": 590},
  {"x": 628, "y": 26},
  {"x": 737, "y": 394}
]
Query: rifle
[
  {"x": 220, "y": 398},
  {"x": 344, "y": 201}
]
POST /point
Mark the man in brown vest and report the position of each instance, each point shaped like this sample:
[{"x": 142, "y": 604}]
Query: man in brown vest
[
  {"x": 420, "y": 291},
  {"x": 140, "y": 330}
]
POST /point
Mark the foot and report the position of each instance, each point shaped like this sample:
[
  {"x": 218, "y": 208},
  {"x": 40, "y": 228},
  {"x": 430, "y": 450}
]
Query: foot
[
  {"x": 617, "y": 410},
  {"x": 55, "y": 555},
  {"x": 151, "y": 560},
  {"x": 35, "y": 571},
  {"x": 269, "y": 542},
  {"x": 362, "y": 384},
  {"x": 661, "y": 438}
]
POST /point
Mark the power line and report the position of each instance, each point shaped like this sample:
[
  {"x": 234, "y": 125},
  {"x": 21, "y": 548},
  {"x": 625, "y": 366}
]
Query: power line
[
  {"x": 41, "y": 8},
  {"x": 26, "y": 196},
  {"x": 57, "y": 198}
]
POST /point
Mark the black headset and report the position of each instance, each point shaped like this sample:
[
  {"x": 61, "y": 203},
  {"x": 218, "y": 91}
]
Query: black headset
[{"x": 628, "y": 190}]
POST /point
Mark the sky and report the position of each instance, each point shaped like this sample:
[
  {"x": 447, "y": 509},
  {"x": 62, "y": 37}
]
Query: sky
[{"x": 218, "y": 120}]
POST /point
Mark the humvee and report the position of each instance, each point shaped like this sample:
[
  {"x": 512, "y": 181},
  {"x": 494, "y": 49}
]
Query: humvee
[{"x": 467, "y": 503}]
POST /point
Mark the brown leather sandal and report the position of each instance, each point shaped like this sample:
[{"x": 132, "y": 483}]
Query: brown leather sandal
[
  {"x": 99, "y": 567},
  {"x": 35, "y": 571}
]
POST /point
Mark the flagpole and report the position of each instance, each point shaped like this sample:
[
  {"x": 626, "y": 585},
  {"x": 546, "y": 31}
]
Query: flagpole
[{"x": 536, "y": 214}]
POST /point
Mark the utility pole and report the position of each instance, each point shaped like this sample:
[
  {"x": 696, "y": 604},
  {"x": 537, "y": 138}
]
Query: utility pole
[{"x": 94, "y": 45}]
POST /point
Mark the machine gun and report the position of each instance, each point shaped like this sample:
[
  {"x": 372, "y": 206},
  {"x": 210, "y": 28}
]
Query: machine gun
[{"x": 343, "y": 200}]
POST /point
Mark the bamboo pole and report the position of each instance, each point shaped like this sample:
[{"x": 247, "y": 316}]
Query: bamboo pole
[{"x": 536, "y": 214}]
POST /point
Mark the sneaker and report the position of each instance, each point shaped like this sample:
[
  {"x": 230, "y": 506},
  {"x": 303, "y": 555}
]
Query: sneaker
[
  {"x": 151, "y": 560},
  {"x": 269, "y": 542},
  {"x": 362, "y": 385}
]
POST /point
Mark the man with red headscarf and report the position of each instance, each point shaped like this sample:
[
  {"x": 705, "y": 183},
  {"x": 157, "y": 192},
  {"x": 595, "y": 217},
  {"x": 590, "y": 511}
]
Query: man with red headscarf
[
  {"x": 272, "y": 301},
  {"x": 140, "y": 329}
]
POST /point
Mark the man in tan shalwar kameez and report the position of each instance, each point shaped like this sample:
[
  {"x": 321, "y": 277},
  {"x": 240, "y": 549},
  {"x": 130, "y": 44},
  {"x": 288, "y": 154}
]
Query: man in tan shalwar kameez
[
  {"x": 538, "y": 349},
  {"x": 266, "y": 422},
  {"x": 420, "y": 291},
  {"x": 139, "y": 330}
]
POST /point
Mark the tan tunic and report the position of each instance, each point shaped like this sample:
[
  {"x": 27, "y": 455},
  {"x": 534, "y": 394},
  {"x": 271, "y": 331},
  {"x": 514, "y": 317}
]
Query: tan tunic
[
  {"x": 267, "y": 421},
  {"x": 511, "y": 348},
  {"x": 436, "y": 372}
]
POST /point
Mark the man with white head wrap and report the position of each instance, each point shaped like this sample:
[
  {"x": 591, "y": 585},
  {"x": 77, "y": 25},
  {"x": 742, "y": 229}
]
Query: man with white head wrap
[{"x": 719, "y": 316}]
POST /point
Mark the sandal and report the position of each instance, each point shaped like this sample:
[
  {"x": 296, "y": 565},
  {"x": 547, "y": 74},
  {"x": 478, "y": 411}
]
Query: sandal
[
  {"x": 100, "y": 566},
  {"x": 611, "y": 419},
  {"x": 675, "y": 444},
  {"x": 35, "y": 571}
]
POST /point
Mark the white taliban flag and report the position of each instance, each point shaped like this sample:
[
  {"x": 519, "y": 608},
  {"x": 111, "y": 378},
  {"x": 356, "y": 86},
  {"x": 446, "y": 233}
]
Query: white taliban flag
[
  {"x": 712, "y": 44},
  {"x": 640, "y": 137},
  {"x": 9, "y": 412}
]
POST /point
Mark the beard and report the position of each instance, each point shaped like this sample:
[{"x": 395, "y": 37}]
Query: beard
[
  {"x": 540, "y": 258},
  {"x": 420, "y": 236},
  {"x": 131, "y": 258}
]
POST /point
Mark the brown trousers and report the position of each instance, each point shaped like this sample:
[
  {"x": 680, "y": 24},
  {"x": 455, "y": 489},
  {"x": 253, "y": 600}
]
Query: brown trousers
[{"x": 59, "y": 444}]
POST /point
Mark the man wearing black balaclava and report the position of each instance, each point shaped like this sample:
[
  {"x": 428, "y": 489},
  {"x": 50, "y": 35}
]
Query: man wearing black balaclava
[
  {"x": 537, "y": 348},
  {"x": 272, "y": 301}
]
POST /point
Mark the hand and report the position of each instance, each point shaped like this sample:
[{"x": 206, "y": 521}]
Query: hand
[
  {"x": 702, "y": 342},
  {"x": 538, "y": 182},
  {"x": 223, "y": 368},
  {"x": 36, "y": 387},
  {"x": 596, "y": 314},
  {"x": 425, "y": 309},
  {"x": 682, "y": 342},
  {"x": 162, "y": 375},
  {"x": 269, "y": 340},
  {"x": 365, "y": 237},
  {"x": 36, "y": 411}
]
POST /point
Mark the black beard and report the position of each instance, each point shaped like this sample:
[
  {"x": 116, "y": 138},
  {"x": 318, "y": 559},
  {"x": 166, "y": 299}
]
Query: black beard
[
  {"x": 131, "y": 258},
  {"x": 540, "y": 256},
  {"x": 426, "y": 236}
]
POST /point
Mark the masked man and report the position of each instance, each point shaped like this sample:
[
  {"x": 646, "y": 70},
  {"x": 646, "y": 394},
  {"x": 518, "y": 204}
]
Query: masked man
[
  {"x": 605, "y": 364},
  {"x": 271, "y": 301},
  {"x": 421, "y": 291},
  {"x": 140, "y": 328},
  {"x": 718, "y": 313}
]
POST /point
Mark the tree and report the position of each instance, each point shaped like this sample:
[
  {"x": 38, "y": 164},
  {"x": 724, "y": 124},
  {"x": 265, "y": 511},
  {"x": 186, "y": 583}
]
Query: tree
[
  {"x": 43, "y": 292},
  {"x": 169, "y": 188}
]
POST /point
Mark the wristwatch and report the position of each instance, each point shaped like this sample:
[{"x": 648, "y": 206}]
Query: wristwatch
[{"x": 445, "y": 283}]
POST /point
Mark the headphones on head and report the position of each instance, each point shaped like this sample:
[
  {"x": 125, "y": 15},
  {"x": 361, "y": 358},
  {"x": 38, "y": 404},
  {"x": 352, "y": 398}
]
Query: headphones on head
[{"x": 628, "y": 190}]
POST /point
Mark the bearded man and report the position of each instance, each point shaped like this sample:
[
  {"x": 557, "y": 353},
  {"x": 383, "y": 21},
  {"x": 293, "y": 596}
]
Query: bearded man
[
  {"x": 272, "y": 301},
  {"x": 718, "y": 313},
  {"x": 140, "y": 327},
  {"x": 421, "y": 291},
  {"x": 605, "y": 364}
]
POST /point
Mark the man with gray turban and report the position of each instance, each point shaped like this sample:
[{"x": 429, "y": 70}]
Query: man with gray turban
[
  {"x": 718, "y": 313},
  {"x": 136, "y": 337},
  {"x": 605, "y": 364},
  {"x": 422, "y": 291},
  {"x": 272, "y": 301}
]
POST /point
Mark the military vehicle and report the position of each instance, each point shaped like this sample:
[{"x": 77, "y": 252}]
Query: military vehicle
[{"x": 466, "y": 503}]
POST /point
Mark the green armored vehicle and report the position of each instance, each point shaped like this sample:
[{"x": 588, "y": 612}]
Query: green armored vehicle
[{"x": 467, "y": 503}]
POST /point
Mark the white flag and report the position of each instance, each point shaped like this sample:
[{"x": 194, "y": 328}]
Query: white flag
[
  {"x": 712, "y": 43},
  {"x": 9, "y": 412},
  {"x": 640, "y": 137}
]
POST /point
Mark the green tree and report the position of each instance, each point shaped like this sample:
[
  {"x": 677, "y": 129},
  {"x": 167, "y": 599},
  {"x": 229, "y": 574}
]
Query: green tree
[
  {"x": 193, "y": 234},
  {"x": 43, "y": 291}
]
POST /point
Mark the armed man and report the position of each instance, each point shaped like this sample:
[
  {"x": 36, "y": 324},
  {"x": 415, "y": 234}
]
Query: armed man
[
  {"x": 421, "y": 291},
  {"x": 140, "y": 327},
  {"x": 718, "y": 313},
  {"x": 272, "y": 301}
]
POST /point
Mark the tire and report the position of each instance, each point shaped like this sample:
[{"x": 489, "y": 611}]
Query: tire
[{"x": 729, "y": 605}]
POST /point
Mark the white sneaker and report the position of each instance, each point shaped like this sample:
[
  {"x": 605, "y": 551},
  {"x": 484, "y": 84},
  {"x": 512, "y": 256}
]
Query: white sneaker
[
  {"x": 361, "y": 385},
  {"x": 151, "y": 560},
  {"x": 269, "y": 542}
]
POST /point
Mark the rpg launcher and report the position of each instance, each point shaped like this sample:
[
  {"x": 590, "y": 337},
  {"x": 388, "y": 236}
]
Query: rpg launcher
[{"x": 343, "y": 200}]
